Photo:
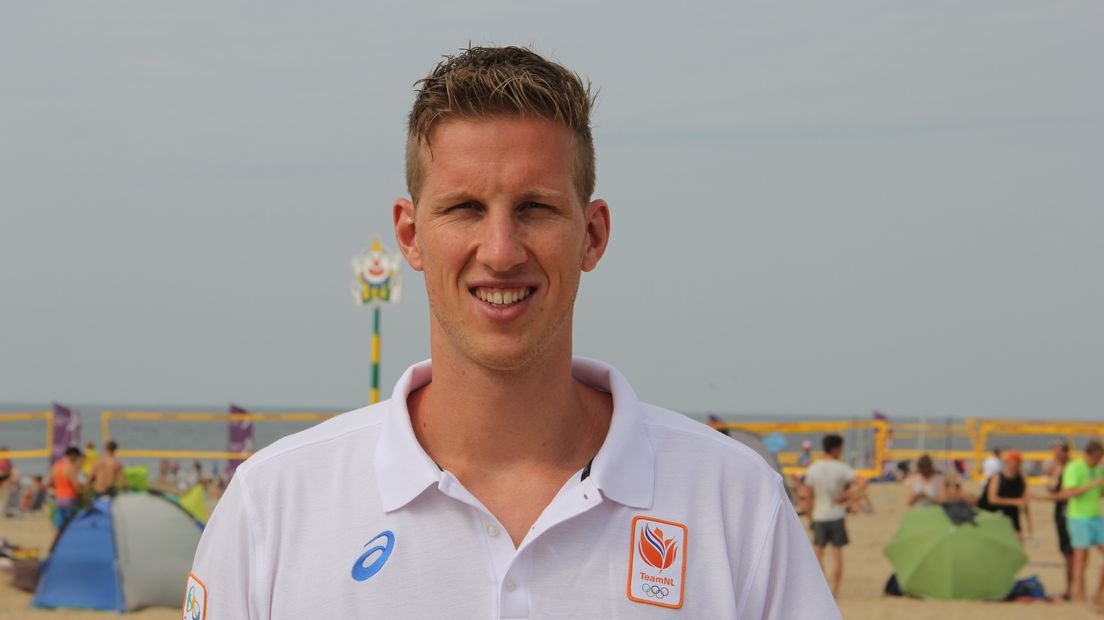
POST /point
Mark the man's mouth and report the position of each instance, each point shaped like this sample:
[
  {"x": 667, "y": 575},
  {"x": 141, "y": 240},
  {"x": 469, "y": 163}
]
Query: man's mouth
[{"x": 501, "y": 297}]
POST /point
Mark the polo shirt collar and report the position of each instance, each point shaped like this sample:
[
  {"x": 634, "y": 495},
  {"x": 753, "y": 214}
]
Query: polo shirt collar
[
  {"x": 403, "y": 469},
  {"x": 623, "y": 469}
]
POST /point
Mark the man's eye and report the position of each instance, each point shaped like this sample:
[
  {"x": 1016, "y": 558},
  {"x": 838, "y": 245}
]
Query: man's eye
[
  {"x": 463, "y": 206},
  {"x": 534, "y": 205}
]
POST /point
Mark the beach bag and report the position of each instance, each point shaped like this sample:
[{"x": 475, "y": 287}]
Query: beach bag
[
  {"x": 960, "y": 512},
  {"x": 25, "y": 574},
  {"x": 137, "y": 478},
  {"x": 1027, "y": 588},
  {"x": 892, "y": 588}
]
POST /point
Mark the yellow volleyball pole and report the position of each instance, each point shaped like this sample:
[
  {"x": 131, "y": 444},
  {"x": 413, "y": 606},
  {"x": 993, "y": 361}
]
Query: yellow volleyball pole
[{"x": 373, "y": 395}]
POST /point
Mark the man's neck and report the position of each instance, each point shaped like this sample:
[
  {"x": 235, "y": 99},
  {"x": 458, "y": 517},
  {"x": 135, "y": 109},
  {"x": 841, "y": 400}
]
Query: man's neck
[
  {"x": 511, "y": 438},
  {"x": 535, "y": 416}
]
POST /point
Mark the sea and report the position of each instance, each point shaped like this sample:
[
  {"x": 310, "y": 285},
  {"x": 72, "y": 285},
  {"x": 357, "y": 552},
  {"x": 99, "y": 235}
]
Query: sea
[{"x": 213, "y": 435}]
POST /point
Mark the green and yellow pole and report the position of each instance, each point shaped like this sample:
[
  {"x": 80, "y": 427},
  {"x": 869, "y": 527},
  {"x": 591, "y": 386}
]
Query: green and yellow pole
[{"x": 373, "y": 396}]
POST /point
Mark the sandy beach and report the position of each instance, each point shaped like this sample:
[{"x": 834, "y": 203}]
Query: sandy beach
[{"x": 866, "y": 571}]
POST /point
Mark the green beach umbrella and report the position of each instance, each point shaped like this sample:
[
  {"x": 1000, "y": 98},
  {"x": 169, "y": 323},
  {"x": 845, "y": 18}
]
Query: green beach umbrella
[{"x": 936, "y": 558}]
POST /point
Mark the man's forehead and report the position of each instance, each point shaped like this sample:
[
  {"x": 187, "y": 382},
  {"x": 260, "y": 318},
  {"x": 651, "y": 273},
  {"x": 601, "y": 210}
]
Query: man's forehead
[{"x": 531, "y": 158}]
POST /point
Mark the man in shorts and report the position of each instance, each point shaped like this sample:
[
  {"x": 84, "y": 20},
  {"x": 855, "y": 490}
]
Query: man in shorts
[
  {"x": 832, "y": 483},
  {"x": 505, "y": 478},
  {"x": 1081, "y": 482}
]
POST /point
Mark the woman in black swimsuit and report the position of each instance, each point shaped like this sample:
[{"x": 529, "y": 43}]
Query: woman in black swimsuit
[{"x": 1006, "y": 492}]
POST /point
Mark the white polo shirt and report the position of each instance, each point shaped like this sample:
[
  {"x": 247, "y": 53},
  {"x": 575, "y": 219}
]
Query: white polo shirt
[{"x": 352, "y": 519}]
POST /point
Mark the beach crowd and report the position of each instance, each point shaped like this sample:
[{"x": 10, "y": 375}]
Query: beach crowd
[{"x": 829, "y": 490}]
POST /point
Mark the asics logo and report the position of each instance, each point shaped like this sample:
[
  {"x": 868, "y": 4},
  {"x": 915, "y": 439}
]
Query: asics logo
[{"x": 362, "y": 568}]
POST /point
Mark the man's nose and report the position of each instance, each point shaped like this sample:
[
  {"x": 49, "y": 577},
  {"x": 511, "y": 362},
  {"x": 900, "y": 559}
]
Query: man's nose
[{"x": 501, "y": 248}]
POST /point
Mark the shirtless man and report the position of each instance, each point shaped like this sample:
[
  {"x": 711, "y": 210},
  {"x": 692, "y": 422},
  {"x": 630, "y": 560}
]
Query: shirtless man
[{"x": 107, "y": 473}]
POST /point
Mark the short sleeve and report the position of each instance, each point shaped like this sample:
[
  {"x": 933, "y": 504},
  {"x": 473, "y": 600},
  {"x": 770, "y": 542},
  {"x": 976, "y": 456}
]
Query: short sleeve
[
  {"x": 787, "y": 582},
  {"x": 225, "y": 560}
]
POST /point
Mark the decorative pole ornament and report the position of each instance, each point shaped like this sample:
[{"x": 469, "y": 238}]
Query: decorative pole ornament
[{"x": 378, "y": 283}]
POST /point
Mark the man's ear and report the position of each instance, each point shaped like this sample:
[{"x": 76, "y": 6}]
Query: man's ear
[
  {"x": 406, "y": 235},
  {"x": 597, "y": 233}
]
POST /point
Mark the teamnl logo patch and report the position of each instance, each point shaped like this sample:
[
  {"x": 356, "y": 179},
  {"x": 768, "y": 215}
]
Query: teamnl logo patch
[{"x": 657, "y": 569}]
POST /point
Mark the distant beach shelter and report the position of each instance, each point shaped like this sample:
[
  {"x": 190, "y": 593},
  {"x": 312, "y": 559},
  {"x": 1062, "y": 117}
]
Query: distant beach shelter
[{"x": 120, "y": 554}]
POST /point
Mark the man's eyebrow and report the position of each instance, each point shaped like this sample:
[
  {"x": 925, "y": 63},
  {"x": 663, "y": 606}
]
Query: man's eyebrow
[
  {"x": 542, "y": 194},
  {"x": 456, "y": 196}
]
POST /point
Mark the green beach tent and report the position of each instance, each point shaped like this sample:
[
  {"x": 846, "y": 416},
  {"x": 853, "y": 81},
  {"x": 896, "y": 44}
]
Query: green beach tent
[{"x": 940, "y": 559}]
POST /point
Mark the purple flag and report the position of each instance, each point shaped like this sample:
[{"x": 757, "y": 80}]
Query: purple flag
[
  {"x": 878, "y": 415},
  {"x": 241, "y": 438},
  {"x": 67, "y": 431}
]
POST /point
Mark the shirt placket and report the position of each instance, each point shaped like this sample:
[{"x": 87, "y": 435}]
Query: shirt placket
[{"x": 513, "y": 567}]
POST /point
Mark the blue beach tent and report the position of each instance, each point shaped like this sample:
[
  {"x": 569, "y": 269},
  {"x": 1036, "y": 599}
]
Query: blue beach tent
[{"x": 120, "y": 554}]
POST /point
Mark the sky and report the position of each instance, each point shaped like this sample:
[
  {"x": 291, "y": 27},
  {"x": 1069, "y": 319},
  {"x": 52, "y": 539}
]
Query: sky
[{"x": 817, "y": 208}]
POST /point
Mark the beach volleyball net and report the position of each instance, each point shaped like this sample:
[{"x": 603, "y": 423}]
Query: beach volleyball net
[
  {"x": 196, "y": 435},
  {"x": 32, "y": 428},
  {"x": 876, "y": 448}
]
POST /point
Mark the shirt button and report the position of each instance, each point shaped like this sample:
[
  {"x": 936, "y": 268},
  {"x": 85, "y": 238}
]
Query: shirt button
[
  {"x": 509, "y": 585},
  {"x": 492, "y": 530}
]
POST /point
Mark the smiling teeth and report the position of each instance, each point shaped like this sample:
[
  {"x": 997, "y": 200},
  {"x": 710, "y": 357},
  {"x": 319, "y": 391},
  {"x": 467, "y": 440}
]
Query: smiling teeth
[{"x": 502, "y": 297}]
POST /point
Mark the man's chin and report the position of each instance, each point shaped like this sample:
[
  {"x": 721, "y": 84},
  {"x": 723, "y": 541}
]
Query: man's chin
[{"x": 505, "y": 360}]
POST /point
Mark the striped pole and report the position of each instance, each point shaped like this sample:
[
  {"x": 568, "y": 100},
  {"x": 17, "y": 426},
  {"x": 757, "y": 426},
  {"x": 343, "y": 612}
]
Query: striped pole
[{"x": 373, "y": 396}]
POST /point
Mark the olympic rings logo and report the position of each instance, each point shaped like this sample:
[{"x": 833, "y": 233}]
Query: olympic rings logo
[
  {"x": 192, "y": 605},
  {"x": 654, "y": 591}
]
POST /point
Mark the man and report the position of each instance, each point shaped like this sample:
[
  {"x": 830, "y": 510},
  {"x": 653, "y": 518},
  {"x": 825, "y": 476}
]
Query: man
[
  {"x": 1061, "y": 451},
  {"x": 832, "y": 485},
  {"x": 506, "y": 479},
  {"x": 992, "y": 464},
  {"x": 66, "y": 484},
  {"x": 107, "y": 474},
  {"x": 1081, "y": 482}
]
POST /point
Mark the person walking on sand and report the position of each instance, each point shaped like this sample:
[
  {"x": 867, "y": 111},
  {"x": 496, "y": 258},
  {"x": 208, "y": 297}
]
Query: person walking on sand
[
  {"x": 1081, "y": 480},
  {"x": 831, "y": 484},
  {"x": 107, "y": 474}
]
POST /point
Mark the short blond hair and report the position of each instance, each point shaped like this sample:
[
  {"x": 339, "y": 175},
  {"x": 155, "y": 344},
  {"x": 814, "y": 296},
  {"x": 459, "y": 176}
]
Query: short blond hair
[{"x": 485, "y": 82}]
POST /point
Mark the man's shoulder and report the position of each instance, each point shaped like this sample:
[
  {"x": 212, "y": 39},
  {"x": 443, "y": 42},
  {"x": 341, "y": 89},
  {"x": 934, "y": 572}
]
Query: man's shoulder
[
  {"x": 688, "y": 436},
  {"x": 830, "y": 467},
  {"x": 347, "y": 426},
  {"x": 1076, "y": 468}
]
